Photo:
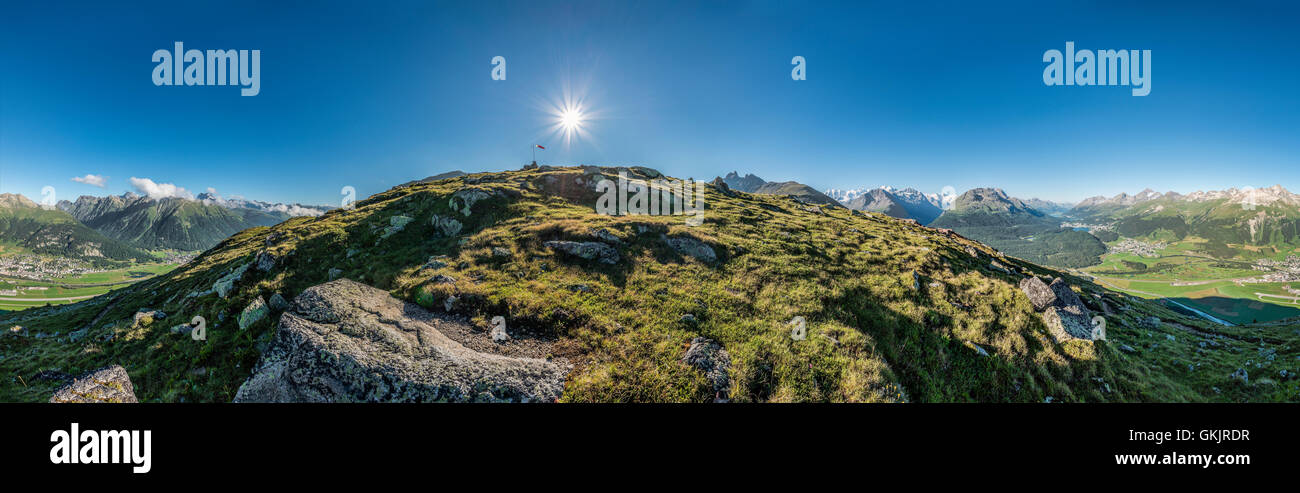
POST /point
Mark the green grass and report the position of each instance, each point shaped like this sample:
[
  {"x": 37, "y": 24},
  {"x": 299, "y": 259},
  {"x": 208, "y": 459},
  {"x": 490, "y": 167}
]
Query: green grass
[{"x": 871, "y": 336}]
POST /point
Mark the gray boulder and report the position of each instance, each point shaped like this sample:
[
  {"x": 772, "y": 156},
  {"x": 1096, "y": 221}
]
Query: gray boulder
[
  {"x": 1038, "y": 291},
  {"x": 1065, "y": 324},
  {"x": 107, "y": 384},
  {"x": 590, "y": 250},
  {"x": 1065, "y": 296},
  {"x": 692, "y": 247},
  {"x": 347, "y": 342}
]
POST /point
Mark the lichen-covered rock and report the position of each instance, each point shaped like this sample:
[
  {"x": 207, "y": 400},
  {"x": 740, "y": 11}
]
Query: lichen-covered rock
[
  {"x": 395, "y": 224},
  {"x": 146, "y": 317},
  {"x": 713, "y": 360},
  {"x": 446, "y": 226},
  {"x": 463, "y": 199},
  {"x": 347, "y": 342},
  {"x": 256, "y": 310},
  {"x": 590, "y": 250},
  {"x": 226, "y": 283},
  {"x": 1038, "y": 292},
  {"x": 1065, "y": 296},
  {"x": 692, "y": 247},
  {"x": 1065, "y": 324},
  {"x": 604, "y": 235},
  {"x": 107, "y": 384},
  {"x": 277, "y": 303}
]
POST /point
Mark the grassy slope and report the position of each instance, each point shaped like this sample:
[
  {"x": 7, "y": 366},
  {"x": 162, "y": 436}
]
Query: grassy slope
[{"x": 871, "y": 337}]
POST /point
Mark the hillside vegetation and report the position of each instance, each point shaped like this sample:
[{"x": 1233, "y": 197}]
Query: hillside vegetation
[{"x": 894, "y": 311}]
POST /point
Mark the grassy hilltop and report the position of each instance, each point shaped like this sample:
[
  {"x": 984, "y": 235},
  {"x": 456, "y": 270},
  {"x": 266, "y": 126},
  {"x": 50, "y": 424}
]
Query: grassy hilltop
[{"x": 895, "y": 312}]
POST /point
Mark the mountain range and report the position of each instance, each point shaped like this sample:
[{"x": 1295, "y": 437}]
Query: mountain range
[
  {"x": 168, "y": 223},
  {"x": 1012, "y": 226},
  {"x": 1265, "y": 217},
  {"x": 907, "y": 203}
]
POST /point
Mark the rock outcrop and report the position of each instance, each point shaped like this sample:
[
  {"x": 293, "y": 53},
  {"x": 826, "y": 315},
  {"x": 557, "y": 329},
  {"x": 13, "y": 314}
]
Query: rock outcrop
[
  {"x": 107, "y": 384},
  {"x": 343, "y": 341}
]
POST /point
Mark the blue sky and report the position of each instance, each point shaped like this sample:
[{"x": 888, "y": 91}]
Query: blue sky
[{"x": 374, "y": 94}]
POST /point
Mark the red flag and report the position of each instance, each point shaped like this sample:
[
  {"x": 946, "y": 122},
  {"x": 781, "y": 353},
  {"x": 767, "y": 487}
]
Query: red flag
[{"x": 540, "y": 147}]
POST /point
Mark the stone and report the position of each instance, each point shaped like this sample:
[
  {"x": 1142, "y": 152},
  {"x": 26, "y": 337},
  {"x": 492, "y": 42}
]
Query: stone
[
  {"x": 265, "y": 261},
  {"x": 347, "y": 342},
  {"x": 255, "y": 311},
  {"x": 442, "y": 279},
  {"x": 226, "y": 283},
  {"x": 500, "y": 252},
  {"x": 1240, "y": 374},
  {"x": 463, "y": 199},
  {"x": 1150, "y": 322},
  {"x": 277, "y": 303},
  {"x": 146, "y": 317},
  {"x": 1039, "y": 294},
  {"x": 107, "y": 384},
  {"x": 997, "y": 266},
  {"x": 274, "y": 238},
  {"x": 604, "y": 235},
  {"x": 395, "y": 224},
  {"x": 1064, "y": 295},
  {"x": 710, "y": 358},
  {"x": 1064, "y": 324},
  {"x": 692, "y": 247},
  {"x": 446, "y": 226},
  {"x": 589, "y": 250},
  {"x": 688, "y": 318}
]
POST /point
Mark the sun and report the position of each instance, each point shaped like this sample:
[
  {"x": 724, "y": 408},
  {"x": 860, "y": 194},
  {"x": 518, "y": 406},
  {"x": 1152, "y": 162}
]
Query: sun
[{"x": 571, "y": 119}]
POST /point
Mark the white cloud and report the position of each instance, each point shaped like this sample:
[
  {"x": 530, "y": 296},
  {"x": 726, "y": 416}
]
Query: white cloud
[
  {"x": 96, "y": 180},
  {"x": 159, "y": 190}
]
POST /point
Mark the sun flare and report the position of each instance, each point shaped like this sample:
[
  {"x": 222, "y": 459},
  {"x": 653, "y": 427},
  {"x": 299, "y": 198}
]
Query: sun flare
[{"x": 571, "y": 119}]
